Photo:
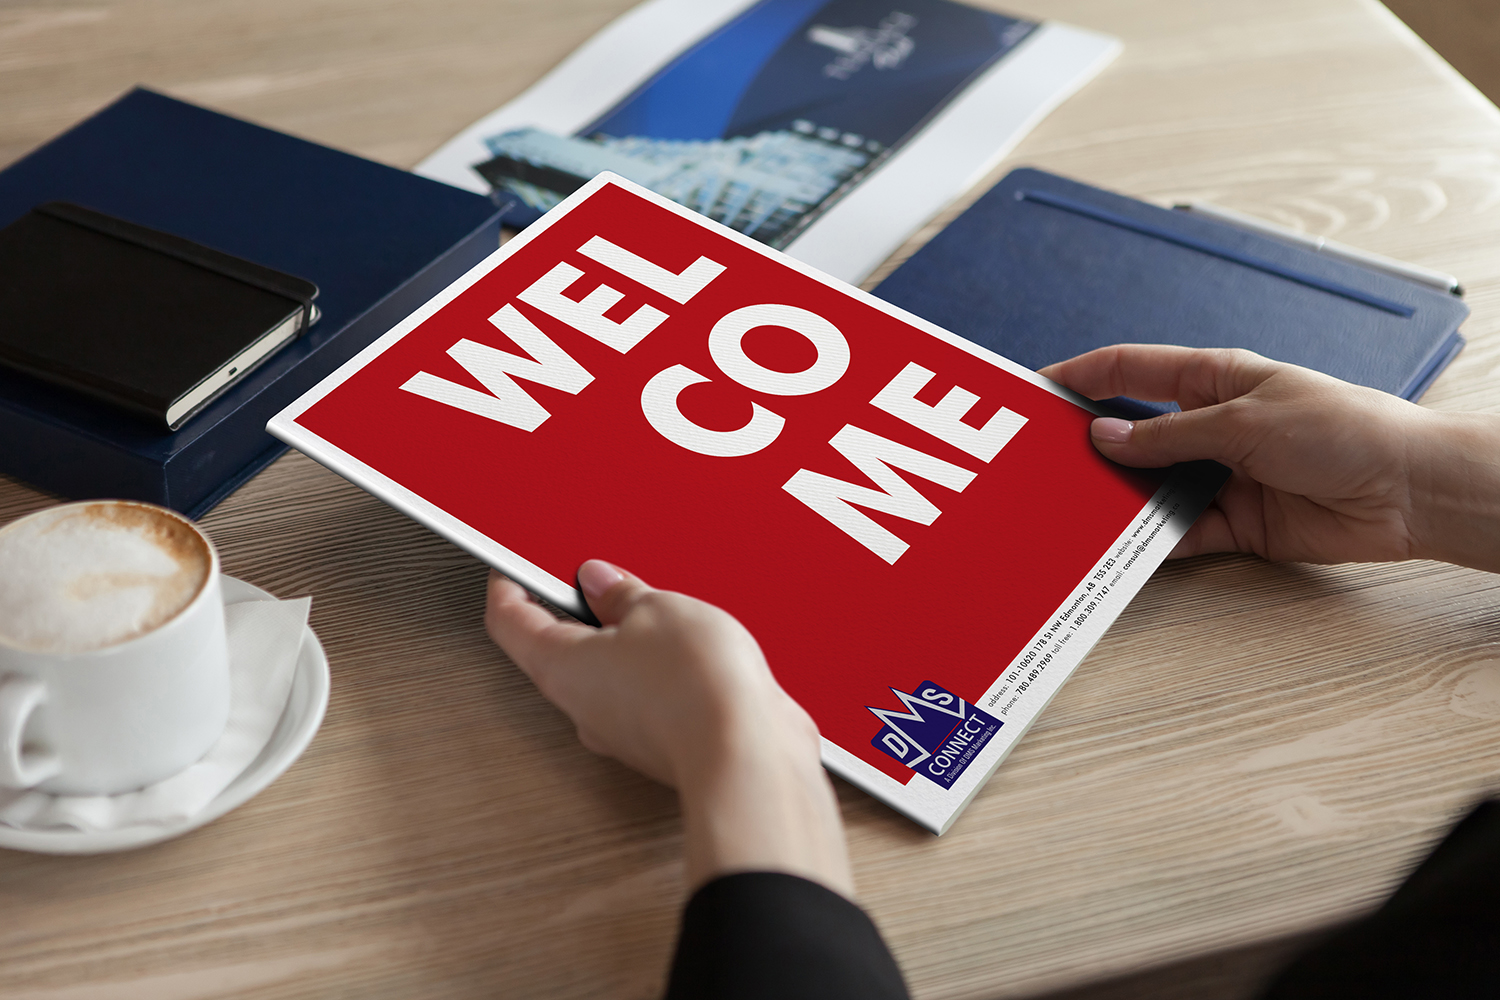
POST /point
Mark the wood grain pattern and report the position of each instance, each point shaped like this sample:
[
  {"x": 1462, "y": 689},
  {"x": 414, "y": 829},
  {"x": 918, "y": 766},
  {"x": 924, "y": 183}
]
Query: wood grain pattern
[{"x": 1253, "y": 751}]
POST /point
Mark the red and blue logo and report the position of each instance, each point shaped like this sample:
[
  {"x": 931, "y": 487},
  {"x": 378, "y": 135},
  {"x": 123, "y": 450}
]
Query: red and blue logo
[{"x": 938, "y": 735}]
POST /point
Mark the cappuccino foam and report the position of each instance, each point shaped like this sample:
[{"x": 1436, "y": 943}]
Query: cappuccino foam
[{"x": 90, "y": 575}]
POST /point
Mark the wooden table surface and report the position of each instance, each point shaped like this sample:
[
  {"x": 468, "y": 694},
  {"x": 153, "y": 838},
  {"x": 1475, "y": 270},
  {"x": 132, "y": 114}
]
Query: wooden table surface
[{"x": 1253, "y": 750}]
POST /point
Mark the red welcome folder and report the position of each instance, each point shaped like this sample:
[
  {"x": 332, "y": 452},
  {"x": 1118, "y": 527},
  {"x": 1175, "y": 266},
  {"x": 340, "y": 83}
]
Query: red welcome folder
[{"x": 918, "y": 532}]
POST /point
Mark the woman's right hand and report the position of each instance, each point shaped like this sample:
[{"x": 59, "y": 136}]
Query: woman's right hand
[{"x": 1322, "y": 471}]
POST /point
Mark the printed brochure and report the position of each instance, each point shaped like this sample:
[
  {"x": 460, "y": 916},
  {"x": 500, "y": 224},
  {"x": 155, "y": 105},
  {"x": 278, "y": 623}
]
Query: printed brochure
[
  {"x": 919, "y": 532},
  {"x": 832, "y": 129}
]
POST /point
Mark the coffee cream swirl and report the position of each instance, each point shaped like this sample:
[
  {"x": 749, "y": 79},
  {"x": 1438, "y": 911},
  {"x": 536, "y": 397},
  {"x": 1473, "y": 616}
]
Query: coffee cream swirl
[{"x": 87, "y": 576}]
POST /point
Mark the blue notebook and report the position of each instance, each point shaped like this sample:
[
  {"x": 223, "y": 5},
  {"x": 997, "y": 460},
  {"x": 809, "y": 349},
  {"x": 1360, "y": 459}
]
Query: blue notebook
[
  {"x": 377, "y": 242},
  {"x": 1042, "y": 268}
]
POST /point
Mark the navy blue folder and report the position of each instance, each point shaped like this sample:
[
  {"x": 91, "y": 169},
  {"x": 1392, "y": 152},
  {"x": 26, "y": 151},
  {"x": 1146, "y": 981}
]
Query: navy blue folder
[
  {"x": 377, "y": 242},
  {"x": 1042, "y": 268}
]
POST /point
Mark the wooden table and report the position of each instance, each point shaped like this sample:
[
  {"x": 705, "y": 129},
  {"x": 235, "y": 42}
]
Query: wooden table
[{"x": 1253, "y": 751}]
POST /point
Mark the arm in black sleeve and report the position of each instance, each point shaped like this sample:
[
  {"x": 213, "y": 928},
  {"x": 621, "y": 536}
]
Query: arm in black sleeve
[
  {"x": 1438, "y": 936},
  {"x": 761, "y": 935}
]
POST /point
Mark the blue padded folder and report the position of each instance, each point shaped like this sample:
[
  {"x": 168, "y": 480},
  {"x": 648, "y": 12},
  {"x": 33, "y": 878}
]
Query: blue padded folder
[
  {"x": 1042, "y": 268},
  {"x": 377, "y": 241}
]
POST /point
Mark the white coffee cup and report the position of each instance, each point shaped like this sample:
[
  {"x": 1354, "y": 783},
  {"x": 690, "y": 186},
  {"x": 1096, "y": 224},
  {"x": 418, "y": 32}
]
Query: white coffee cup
[{"x": 114, "y": 666}]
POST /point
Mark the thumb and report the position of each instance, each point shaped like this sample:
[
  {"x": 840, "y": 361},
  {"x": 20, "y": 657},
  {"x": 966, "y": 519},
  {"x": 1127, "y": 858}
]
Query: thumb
[
  {"x": 610, "y": 591},
  {"x": 1166, "y": 440}
]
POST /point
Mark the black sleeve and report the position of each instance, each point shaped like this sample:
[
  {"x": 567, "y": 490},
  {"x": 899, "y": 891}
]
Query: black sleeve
[
  {"x": 764, "y": 934},
  {"x": 1438, "y": 936}
]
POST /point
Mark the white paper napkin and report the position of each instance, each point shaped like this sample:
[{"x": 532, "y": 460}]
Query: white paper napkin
[{"x": 264, "y": 640}]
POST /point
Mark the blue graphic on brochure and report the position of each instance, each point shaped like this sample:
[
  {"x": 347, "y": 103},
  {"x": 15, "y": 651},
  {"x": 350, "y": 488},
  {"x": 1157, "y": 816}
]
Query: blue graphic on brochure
[
  {"x": 938, "y": 734},
  {"x": 766, "y": 122}
]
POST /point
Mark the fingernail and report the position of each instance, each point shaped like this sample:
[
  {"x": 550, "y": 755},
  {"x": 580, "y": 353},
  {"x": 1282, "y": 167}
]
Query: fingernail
[
  {"x": 1112, "y": 430},
  {"x": 596, "y": 576}
]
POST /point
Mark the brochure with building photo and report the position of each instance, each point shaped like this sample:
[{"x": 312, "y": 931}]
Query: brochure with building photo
[
  {"x": 919, "y": 532},
  {"x": 831, "y": 129}
]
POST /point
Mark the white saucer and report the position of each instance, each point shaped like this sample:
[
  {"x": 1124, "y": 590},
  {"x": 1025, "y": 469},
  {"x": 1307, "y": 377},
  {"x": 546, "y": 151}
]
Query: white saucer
[{"x": 305, "y": 705}]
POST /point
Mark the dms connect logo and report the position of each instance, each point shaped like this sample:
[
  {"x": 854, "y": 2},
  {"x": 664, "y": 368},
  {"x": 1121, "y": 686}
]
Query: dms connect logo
[{"x": 937, "y": 736}]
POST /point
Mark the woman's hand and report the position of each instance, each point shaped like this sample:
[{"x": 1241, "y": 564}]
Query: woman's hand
[
  {"x": 1322, "y": 471},
  {"x": 680, "y": 691}
]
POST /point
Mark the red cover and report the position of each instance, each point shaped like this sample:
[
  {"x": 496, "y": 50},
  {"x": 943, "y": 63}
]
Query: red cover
[{"x": 898, "y": 515}]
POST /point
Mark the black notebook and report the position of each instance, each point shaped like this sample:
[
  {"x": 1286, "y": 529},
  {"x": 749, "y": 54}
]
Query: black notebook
[{"x": 148, "y": 322}]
